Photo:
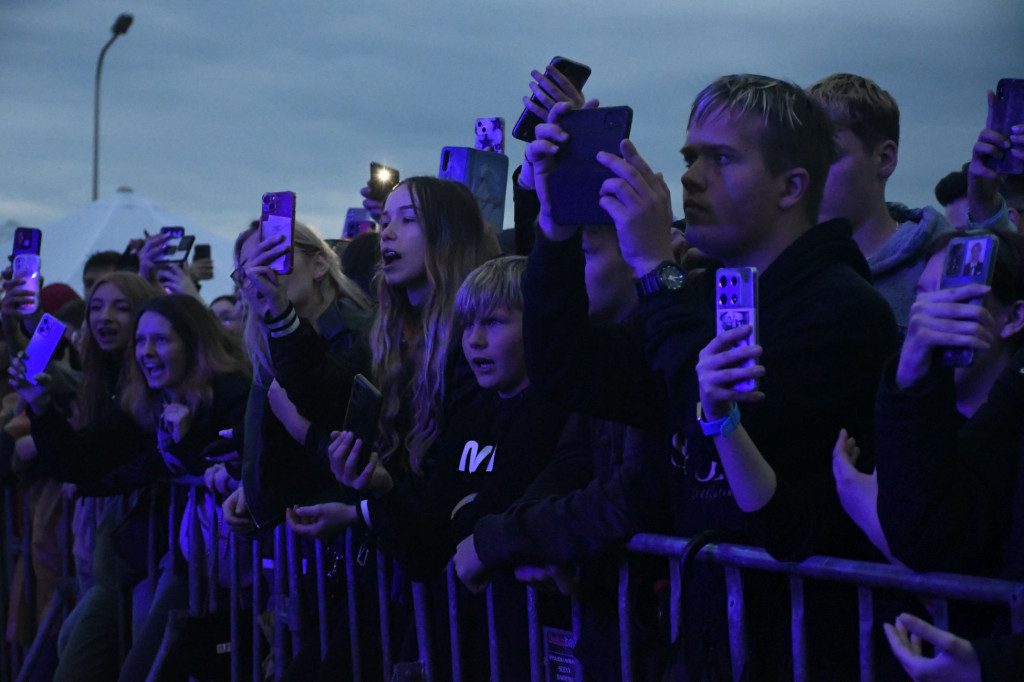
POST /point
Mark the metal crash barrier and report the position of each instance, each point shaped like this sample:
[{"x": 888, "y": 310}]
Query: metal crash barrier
[{"x": 274, "y": 591}]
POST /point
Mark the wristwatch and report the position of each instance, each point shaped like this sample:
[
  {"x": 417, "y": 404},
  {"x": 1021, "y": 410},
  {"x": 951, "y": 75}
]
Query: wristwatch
[
  {"x": 720, "y": 427},
  {"x": 667, "y": 275}
]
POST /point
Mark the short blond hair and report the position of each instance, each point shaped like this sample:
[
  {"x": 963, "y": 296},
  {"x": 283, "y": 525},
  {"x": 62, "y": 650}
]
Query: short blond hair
[{"x": 861, "y": 106}]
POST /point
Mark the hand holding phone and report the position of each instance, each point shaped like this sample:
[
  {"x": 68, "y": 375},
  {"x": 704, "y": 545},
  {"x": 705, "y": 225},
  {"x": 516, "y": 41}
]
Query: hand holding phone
[
  {"x": 736, "y": 306},
  {"x": 969, "y": 260},
  {"x": 277, "y": 219},
  {"x": 562, "y": 81},
  {"x": 382, "y": 180},
  {"x": 25, "y": 265},
  {"x": 362, "y": 415},
  {"x": 1006, "y": 110},
  {"x": 41, "y": 347},
  {"x": 176, "y": 246}
]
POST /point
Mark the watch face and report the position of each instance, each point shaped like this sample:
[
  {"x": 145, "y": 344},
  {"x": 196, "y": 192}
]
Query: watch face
[{"x": 670, "y": 276}]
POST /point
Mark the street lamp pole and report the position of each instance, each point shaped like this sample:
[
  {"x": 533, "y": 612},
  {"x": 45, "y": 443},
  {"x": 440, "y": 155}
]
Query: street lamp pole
[{"x": 120, "y": 27}]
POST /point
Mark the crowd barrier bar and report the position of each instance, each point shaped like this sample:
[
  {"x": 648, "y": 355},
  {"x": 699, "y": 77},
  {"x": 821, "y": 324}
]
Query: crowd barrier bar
[{"x": 867, "y": 576}]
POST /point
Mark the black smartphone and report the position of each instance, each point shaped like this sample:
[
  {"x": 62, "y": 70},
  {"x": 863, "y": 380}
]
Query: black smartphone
[
  {"x": 969, "y": 259},
  {"x": 25, "y": 263},
  {"x": 575, "y": 185},
  {"x": 735, "y": 306},
  {"x": 177, "y": 248},
  {"x": 201, "y": 251},
  {"x": 277, "y": 218},
  {"x": 576, "y": 73},
  {"x": 1006, "y": 111},
  {"x": 382, "y": 180},
  {"x": 362, "y": 415},
  {"x": 42, "y": 346}
]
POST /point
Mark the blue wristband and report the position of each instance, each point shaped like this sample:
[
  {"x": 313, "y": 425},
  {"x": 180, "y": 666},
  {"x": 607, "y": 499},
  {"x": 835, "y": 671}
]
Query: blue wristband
[{"x": 724, "y": 426}]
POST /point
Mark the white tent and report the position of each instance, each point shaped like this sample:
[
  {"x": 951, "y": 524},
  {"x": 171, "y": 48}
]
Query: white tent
[{"x": 108, "y": 224}]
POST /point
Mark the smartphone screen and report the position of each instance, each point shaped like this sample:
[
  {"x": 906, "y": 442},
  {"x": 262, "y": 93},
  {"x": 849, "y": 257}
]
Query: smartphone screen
[
  {"x": 362, "y": 415},
  {"x": 41, "y": 346},
  {"x": 736, "y": 306},
  {"x": 278, "y": 218},
  {"x": 382, "y": 180},
  {"x": 1006, "y": 111},
  {"x": 575, "y": 185},
  {"x": 576, "y": 73},
  {"x": 25, "y": 264},
  {"x": 968, "y": 260}
]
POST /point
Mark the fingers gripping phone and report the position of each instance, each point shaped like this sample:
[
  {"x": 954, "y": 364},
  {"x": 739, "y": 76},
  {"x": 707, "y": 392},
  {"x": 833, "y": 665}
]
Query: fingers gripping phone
[
  {"x": 177, "y": 248},
  {"x": 362, "y": 415},
  {"x": 968, "y": 260},
  {"x": 382, "y": 180},
  {"x": 575, "y": 184},
  {"x": 42, "y": 346},
  {"x": 1006, "y": 111},
  {"x": 278, "y": 219},
  {"x": 25, "y": 264},
  {"x": 577, "y": 73},
  {"x": 735, "y": 306}
]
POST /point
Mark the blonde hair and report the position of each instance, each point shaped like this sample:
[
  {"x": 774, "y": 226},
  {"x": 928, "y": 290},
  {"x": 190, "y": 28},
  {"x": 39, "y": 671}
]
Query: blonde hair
[
  {"x": 410, "y": 344},
  {"x": 861, "y": 106},
  {"x": 335, "y": 284},
  {"x": 496, "y": 284}
]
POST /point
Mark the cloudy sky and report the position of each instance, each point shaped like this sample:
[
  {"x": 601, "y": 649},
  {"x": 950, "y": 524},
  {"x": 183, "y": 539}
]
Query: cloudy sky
[{"x": 206, "y": 105}]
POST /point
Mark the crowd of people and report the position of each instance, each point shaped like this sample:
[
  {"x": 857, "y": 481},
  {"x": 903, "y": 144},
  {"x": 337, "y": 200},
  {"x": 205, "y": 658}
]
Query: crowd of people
[{"x": 543, "y": 403}]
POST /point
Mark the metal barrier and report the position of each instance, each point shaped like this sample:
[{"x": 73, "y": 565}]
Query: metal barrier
[{"x": 279, "y": 564}]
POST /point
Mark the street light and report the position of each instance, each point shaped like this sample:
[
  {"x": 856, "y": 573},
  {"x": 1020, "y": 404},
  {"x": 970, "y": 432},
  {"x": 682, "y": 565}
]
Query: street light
[{"x": 120, "y": 27}]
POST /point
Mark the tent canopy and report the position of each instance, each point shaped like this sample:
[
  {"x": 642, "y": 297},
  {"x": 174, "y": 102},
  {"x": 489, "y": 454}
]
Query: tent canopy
[{"x": 108, "y": 224}]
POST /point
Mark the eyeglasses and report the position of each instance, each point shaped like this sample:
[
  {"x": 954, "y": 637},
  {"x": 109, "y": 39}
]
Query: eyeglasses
[{"x": 240, "y": 279}]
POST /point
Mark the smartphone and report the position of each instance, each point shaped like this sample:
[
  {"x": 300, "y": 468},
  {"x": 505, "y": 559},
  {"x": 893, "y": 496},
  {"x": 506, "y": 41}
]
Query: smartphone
[
  {"x": 575, "y": 185},
  {"x": 1006, "y": 111},
  {"x": 25, "y": 264},
  {"x": 969, "y": 259},
  {"x": 357, "y": 221},
  {"x": 42, "y": 346},
  {"x": 577, "y": 73},
  {"x": 735, "y": 306},
  {"x": 490, "y": 135},
  {"x": 177, "y": 248},
  {"x": 201, "y": 251},
  {"x": 486, "y": 175},
  {"x": 362, "y": 415},
  {"x": 382, "y": 180},
  {"x": 278, "y": 218}
]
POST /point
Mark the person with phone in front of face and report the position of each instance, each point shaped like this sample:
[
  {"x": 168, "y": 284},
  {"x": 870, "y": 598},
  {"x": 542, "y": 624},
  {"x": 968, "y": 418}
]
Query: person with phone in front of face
[{"x": 758, "y": 152}]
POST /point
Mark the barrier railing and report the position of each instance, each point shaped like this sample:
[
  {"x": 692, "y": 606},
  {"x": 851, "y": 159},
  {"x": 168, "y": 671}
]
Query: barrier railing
[{"x": 293, "y": 576}]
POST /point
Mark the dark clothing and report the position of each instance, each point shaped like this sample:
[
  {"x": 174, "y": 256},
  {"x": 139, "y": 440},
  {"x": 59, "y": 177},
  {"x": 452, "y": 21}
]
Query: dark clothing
[
  {"x": 315, "y": 367},
  {"x": 950, "y": 490},
  {"x": 825, "y": 333},
  {"x": 490, "y": 451},
  {"x": 115, "y": 454},
  {"x": 1002, "y": 659}
]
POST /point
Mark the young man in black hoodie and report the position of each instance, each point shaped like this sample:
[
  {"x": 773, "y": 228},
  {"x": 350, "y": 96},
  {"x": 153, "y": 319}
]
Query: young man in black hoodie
[{"x": 758, "y": 152}]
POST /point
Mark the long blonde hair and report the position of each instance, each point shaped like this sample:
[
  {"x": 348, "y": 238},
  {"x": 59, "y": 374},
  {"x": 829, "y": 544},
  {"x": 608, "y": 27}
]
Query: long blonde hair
[
  {"x": 410, "y": 344},
  {"x": 335, "y": 284}
]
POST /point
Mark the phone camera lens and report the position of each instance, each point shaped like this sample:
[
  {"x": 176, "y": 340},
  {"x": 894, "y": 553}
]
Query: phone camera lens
[
  {"x": 722, "y": 282},
  {"x": 724, "y": 299},
  {"x": 735, "y": 300}
]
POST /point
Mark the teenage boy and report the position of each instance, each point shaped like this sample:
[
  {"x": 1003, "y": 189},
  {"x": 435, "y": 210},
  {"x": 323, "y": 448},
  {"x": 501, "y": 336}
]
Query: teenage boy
[
  {"x": 895, "y": 240},
  {"x": 758, "y": 152}
]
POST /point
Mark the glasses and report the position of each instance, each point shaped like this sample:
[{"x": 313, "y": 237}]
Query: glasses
[{"x": 240, "y": 279}]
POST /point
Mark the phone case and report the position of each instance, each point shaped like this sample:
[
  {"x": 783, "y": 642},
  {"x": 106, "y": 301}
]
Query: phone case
[
  {"x": 490, "y": 135},
  {"x": 41, "y": 346},
  {"x": 363, "y": 413},
  {"x": 26, "y": 263},
  {"x": 382, "y": 180},
  {"x": 575, "y": 185},
  {"x": 278, "y": 218},
  {"x": 968, "y": 260},
  {"x": 357, "y": 221},
  {"x": 486, "y": 175},
  {"x": 1007, "y": 110},
  {"x": 577, "y": 73},
  {"x": 176, "y": 249},
  {"x": 735, "y": 306}
]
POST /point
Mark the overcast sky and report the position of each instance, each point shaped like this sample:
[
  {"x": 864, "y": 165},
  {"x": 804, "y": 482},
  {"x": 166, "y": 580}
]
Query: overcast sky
[{"x": 206, "y": 105}]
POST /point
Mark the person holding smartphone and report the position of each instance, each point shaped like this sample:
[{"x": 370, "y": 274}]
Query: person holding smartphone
[{"x": 758, "y": 152}]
